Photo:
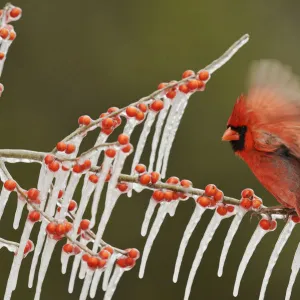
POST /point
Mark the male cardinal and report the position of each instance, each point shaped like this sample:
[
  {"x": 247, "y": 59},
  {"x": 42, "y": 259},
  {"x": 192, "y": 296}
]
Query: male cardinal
[{"x": 264, "y": 130}]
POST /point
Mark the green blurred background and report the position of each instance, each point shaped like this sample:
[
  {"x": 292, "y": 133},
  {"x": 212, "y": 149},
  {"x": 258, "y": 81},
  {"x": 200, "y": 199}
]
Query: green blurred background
[{"x": 81, "y": 57}]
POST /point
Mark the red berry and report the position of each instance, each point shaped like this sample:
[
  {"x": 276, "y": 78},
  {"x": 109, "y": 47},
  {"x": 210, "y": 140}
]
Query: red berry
[
  {"x": 158, "y": 195},
  {"x": 192, "y": 84},
  {"x": 184, "y": 88},
  {"x": 157, "y": 105},
  {"x": 171, "y": 94},
  {"x": 188, "y": 73},
  {"x": 87, "y": 164},
  {"x": 140, "y": 168},
  {"x": 77, "y": 168},
  {"x": 76, "y": 250},
  {"x": 127, "y": 148},
  {"x": 4, "y": 33},
  {"x": 273, "y": 225},
  {"x": 131, "y": 111},
  {"x": 33, "y": 194},
  {"x": 130, "y": 262},
  {"x": 61, "y": 146},
  {"x": 28, "y": 246},
  {"x": 54, "y": 166},
  {"x": 122, "y": 186},
  {"x": 121, "y": 262},
  {"x": 112, "y": 109},
  {"x": 10, "y": 185},
  {"x": 84, "y": 224},
  {"x": 203, "y": 75},
  {"x": 104, "y": 254},
  {"x": 110, "y": 152},
  {"x": 68, "y": 248},
  {"x": 256, "y": 203},
  {"x": 84, "y": 120},
  {"x": 68, "y": 226},
  {"x": 246, "y": 203},
  {"x": 12, "y": 35},
  {"x": 222, "y": 210},
  {"x": 34, "y": 216},
  {"x": 107, "y": 131},
  {"x": 162, "y": 85},
  {"x": 145, "y": 179},
  {"x": 186, "y": 183},
  {"x": 2, "y": 55},
  {"x": 247, "y": 193},
  {"x": 123, "y": 139},
  {"x": 109, "y": 249},
  {"x": 200, "y": 84},
  {"x": 204, "y": 201},
  {"x": 210, "y": 190},
  {"x": 60, "y": 194},
  {"x": 85, "y": 257},
  {"x": 92, "y": 262},
  {"x": 133, "y": 253},
  {"x": 173, "y": 180},
  {"x": 101, "y": 263},
  {"x": 93, "y": 178},
  {"x": 154, "y": 177},
  {"x": 230, "y": 208},
  {"x": 168, "y": 195},
  {"x": 143, "y": 107},
  {"x": 60, "y": 229},
  {"x": 49, "y": 159},
  {"x": 51, "y": 227},
  {"x": 218, "y": 196},
  {"x": 107, "y": 123},
  {"x": 296, "y": 219},
  {"x": 70, "y": 148},
  {"x": 140, "y": 116},
  {"x": 15, "y": 12},
  {"x": 72, "y": 205},
  {"x": 265, "y": 224}
]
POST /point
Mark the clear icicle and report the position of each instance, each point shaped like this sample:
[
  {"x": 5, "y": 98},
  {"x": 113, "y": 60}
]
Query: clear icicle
[
  {"x": 161, "y": 214},
  {"x": 143, "y": 138},
  {"x": 45, "y": 261},
  {"x": 86, "y": 284},
  {"x": 18, "y": 214},
  {"x": 294, "y": 273},
  {"x": 208, "y": 235},
  {"x": 95, "y": 282},
  {"x": 177, "y": 118},
  {"x": 240, "y": 212},
  {"x": 99, "y": 187},
  {"x": 108, "y": 270},
  {"x": 3, "y": 200},
  {"x": 72, "y": 184},
  {"x": 172, "y": 207},
  {"x": 60, "y": 179},
  {"x": 194, "y": 220},
  {"x": 118, "y": 272},
  {"x": 45, "y": 187},
  {"x": 158, "y": 127},
  {"x": 257, "y": 236},
  {"x": 129, "y": 127},
  {"x": 283, "y": 237},
  {"x": 148, "y": 215},
  {"x": 15, "y": 268},
  {"x": 64, "y": 258}
]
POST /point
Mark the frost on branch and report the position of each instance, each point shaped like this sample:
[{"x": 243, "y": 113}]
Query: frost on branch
[{"x": 51, "y": 202}]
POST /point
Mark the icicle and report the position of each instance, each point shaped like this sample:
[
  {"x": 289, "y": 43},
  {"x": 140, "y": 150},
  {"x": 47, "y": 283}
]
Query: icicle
[
  {"x": 129, "y": 127},
  {"x": 208, "y": 235},
  {"x": 95, "y": 282},
  {"x": 194, "y": 220},
  {"x": 148, "y": 215},
  {"x": 108, "y": 270},
  {"x": 76, "y": 263},
  {"x": 161, "y": 214},
  {"x": 284, "y": 236},
  {"x": 45, "y": 260},
  {"x": 99, "y": 187},
  {"x": 10, "y": 246},
  {"x": 295, "y": 270},
  {"x": 177, "y": 118},
  {"x": 86, "y": 284},
  {"x": 172, "y": 207},
  {"x": 83, "y": 270},
  {"x": 44, "y": 189},
  {"x": 14, "y": 271},
  {"x": 240, "y": 212},
  {"x": 118, "y": 272},
  {"x": 64, "y": 258},
  {"x": 69, "y": 194},
  {"x": 3, "y": 199},
  {"x": 143, "y": 138},
  {"x": 158, "y": 127},
  {"x": 257, "y": 236},
  {"x": 18, "y": 214}
]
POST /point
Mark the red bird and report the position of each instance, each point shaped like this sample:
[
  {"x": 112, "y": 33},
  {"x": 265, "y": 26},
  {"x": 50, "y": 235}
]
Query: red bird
[{"x": 264, "y": 130}]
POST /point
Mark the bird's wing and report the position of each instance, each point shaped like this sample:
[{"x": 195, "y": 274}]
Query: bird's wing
[{"x": 273, "y": 107}]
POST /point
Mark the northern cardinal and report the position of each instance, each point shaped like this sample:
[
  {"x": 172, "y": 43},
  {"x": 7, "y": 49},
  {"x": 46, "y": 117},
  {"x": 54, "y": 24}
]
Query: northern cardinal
[{"x": 264, "y": 130}]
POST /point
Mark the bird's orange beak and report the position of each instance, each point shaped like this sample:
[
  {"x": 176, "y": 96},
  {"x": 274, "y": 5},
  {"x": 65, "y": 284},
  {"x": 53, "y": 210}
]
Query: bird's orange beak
[{"x": 230, "y": 135}]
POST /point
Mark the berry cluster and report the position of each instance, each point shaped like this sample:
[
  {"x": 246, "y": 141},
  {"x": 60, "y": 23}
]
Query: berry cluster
[
  {"x": 267, "y": 224},
  {"x": 109, "y": 124},
  {"x": 99, "y": 261},
  {"x": 250, "y": 200},
  {"x": 67, "y": 148},
  {"x": 58, "y": 230},
  {"x": 125, "y": 146},
  {"x": 71, "y": 249},
  {"x": 212, "y": 195},
  {"x": 128, "y": 261}
]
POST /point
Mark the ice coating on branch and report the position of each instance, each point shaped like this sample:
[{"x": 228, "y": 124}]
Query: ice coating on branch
[
  {"x": 294, "y": 273},
  {"x": 129, "y": 127},
  {"x": 95, "y": 282},
  {"x": 10, "y": 246},
  {"x": 86, "y": 284},
  {"x": 143, "y": 138},
  {"x": 257, "y": 236},
  {"x": 109, "y": 268},
  {"x": 172, "y": 207},
  {"x": 99, "y": 187},
  {"x": 64, "y": 258},
  {"x": 208, "y": 235},
  {"x": 148, "y": 215},
  {"x": 72, "y": 184},
  {"x": 176, "y": 122},
  {"x": 18, "y": 214},
  {"x": 158, "y": 128},
  {"x": 283, "y": 237},
  {"x": 5, "y": 44},
  {"x": 194, "y": 220},
  {"x": 45, "y": 187},
  {"x": 240, "y": 212},
  {"x": 60, "y": 179},
  {"x": 83, "y": 269},
  {"x": 118, "y": 272},
  {"x": 3, "y": 200},
  {"x": 76, "y": 263},
  {"x": 15, "y": 268},
  {"x": 161, "y": 214},
  {"x": 45, "y": 260}
]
